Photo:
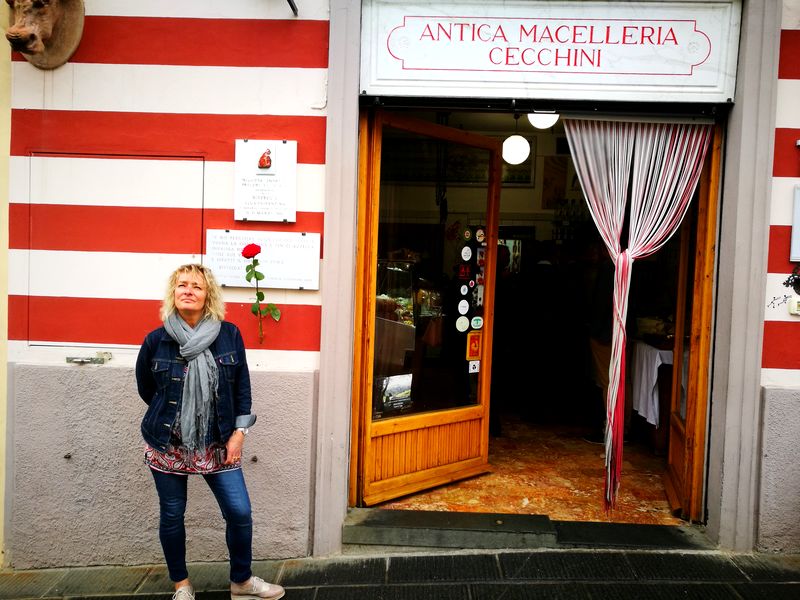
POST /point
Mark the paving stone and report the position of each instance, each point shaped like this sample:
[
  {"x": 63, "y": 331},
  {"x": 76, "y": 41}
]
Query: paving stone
[
  {"x": 445, "y": 567},
  {"x": 291, "y": 594},
  {"x": 28, "y": 584},
  {"x": 204, "y": 577},
  {"x": 570, "y": 566},
  {"x": 99, "y": 580},
  {"x": 311, "y": 572},
  {"x": 527, "y": 591},
  {"x": 659, "y": 591},
  {"x": 393, "y": 592},
  {"x": 167, "y": 596},
  {"x": 761, "y": 567},
  {"x": 626, "y": 535},
  {"x": 684, "y": 567},
  {"x": 768, "y": 591}
]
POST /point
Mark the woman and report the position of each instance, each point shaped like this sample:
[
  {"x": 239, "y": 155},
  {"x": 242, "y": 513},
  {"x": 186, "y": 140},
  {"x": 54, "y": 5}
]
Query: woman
[{"x": 192, "y": 373}]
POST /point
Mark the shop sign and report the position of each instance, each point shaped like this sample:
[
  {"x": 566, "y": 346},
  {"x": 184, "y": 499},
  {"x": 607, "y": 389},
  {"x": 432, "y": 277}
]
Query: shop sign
[{"x": 648, "y": 51}]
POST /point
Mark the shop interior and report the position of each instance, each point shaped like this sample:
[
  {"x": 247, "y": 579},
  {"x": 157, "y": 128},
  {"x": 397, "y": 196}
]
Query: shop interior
[{"x": 552, "y": 303}]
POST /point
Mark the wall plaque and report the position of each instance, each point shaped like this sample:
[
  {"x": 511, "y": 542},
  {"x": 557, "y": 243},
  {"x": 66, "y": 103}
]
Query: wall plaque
[{"x": 265, "y": 173}]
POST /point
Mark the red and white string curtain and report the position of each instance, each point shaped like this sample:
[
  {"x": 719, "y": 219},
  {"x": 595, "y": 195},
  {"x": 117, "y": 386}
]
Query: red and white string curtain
[{"x": 660, "y": 165}]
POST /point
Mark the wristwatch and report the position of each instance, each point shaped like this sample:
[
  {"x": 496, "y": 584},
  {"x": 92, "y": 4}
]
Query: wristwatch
[{"x": 244, "y": 430}]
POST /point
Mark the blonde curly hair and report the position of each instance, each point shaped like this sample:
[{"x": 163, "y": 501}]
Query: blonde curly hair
[{"x": 214, "y": 306}]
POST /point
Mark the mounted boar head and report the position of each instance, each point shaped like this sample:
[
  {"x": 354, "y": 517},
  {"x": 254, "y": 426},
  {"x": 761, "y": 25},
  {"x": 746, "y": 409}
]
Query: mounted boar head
[{"x": 46, "y": 32}]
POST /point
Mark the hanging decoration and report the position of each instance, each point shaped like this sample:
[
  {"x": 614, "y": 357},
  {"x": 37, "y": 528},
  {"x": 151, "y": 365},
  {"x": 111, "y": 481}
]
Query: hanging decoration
[{"x": 660, "y": 163}]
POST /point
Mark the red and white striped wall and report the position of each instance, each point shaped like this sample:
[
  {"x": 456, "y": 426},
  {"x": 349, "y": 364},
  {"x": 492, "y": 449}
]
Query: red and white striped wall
[
  {"x": 781, "y": 356},
  {"x": 122, "y": 158}
]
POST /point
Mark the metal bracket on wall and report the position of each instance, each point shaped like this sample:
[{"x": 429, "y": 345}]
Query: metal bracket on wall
[{"x": 101, "y": 358}]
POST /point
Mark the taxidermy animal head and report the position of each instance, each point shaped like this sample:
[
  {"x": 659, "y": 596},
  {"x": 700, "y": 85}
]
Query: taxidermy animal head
[{"x": 46, "y": 32}]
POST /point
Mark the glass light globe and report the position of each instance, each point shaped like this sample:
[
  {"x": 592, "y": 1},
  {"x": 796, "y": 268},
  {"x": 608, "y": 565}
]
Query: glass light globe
[
  {"x": 542, "y": 120},
  {"x": 515, "y": 149}
]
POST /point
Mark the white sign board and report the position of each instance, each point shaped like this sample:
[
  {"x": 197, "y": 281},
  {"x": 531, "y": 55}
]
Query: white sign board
[
  {"x": 644, "y": 51},
  {"x": 794, "y": 251},
  {"x": 266, "y": 180},
  {"x": 288, "y": 260}
]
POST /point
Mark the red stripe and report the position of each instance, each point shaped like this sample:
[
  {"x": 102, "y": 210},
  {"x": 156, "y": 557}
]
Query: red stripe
[
  {"x": 157, "y": 134},
  {"x": 787, "y": 154},
  {"x": 130, "y": 229},
  {"x": 780, "y": 345},
  {"x": 788, "y": 63},
  {"x": 780, "y": 241},
  {"x": 202, "y": 42},
  {"x": 107, "y": 321}
]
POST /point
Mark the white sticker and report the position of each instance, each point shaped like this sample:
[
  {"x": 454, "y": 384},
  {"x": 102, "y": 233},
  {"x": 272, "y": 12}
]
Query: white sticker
[
  {"x": 477, "y": 322},
  {"x": 466, "y": 253},
  {"x": 467, "y": 234},
  {"x": 464, "y": 290},
  {"x": 462, "y": 324},
  {"x": 463, "y": 307},
  {"x": 474, "y": 366},
  {"x": 480, "y": 235}
]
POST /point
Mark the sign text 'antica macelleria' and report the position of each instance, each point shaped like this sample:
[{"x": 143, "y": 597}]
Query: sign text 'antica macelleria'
[
  {"x": 559, "y": 45},
  {"x": 579, "y": 46}
]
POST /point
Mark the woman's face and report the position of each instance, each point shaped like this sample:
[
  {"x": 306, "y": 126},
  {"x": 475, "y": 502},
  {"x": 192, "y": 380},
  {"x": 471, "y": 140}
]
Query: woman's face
[{"x": 190, "y": 295}]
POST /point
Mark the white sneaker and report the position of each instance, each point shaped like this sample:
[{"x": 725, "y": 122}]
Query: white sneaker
[
  {"x": 255, "y": 589},
  {"x": 185, "y": 592}
]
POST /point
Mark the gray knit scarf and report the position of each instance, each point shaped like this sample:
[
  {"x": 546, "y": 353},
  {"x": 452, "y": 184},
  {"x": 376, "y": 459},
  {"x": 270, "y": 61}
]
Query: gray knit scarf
[{"x": 200, "y": 384}]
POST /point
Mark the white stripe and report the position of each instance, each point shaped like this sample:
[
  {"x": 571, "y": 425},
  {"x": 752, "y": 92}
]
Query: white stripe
[
  {"x": 778, "y": 297},
  {"x": 130, "y": 275},
  {"x": 780, "y": 377},
  {"x": 125, "y": 356},
  {"x": 143, "y": 183},
  {"x": 209, "y": 9},
  {"x": 790, "y": 17},
  {"x": 782, "y": 200},
  {"x": 170, "y": 89},
  {"x": 786, "y": 113}
]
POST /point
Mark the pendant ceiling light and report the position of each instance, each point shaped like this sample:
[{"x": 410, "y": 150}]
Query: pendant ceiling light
[
  {"x": 543, "y": 119},
  {"x": 515, "y": 147}
]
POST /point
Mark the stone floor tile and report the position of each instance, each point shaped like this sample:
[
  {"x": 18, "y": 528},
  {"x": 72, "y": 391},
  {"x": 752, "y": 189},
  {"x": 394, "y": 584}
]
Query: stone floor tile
[
  {"x": 769, "y": 567},
  {"x": 568, "y": 566},
  {"x": 768, "y": 591},
  {"x": 659, "y": 591},
  {"x": 684, "y": 567},
  {"x": 99, "y": 580},
  {"x": 445, "y": 567},
  {"x": 528, "y": 591},
  {"x": 393, "y": 592},
  {"x": 313, "y": 572},
  {"x": 28, "y": 584}
]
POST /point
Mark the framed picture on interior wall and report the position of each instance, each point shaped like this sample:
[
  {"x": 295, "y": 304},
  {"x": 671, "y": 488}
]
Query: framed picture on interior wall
[
  {"x": 407, "y": 160},
  {"x": 554, "y": 181}
]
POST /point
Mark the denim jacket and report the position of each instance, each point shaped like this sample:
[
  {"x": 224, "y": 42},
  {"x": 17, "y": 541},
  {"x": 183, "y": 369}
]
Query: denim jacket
[{"x": 160, "y": 373}]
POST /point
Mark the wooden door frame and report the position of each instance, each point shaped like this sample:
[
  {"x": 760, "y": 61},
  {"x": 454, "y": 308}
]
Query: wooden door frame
[
  {"x": 371, "y": 124},
  {"x": 689, "y": 501}
]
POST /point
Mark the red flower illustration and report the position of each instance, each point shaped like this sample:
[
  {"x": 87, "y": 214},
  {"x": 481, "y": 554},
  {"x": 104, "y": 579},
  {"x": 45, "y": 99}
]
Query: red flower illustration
[{"x": 251, "y": 250}]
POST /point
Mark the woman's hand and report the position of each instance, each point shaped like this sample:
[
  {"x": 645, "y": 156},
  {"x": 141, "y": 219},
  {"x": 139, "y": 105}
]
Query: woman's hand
[{"x": 233, "y": 447}]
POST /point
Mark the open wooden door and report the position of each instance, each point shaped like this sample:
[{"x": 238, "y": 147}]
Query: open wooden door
[
  {"x": 423, "y": 321},
  {"x": 684, "y": 477}
]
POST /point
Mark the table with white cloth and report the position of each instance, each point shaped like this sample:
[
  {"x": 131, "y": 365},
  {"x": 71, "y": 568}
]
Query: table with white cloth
[{"x": 646, "y": 360}]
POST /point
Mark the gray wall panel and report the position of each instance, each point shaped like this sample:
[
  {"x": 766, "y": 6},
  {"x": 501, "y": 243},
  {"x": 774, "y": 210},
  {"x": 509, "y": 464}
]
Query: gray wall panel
[{"x": 100, "y": 507}]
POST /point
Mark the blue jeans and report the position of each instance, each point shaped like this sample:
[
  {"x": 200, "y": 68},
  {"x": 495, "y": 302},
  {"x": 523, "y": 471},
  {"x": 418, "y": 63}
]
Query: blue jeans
[{"x": 231, "y": 493}]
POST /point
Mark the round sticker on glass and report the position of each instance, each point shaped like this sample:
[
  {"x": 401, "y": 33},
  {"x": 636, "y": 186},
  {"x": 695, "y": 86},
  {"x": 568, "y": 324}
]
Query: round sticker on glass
[
  {"x": 471, "y": 283},
  {"x": 463, "y": 307},
  {"x": 462, "y": 324},
  {"x": 466, "y": 253},
  {"x": 480, "y": 235},
  {"x": 464, "y": 290},
  {"x": 477, "y": 322},
  {"x": 468, "y": 234}
]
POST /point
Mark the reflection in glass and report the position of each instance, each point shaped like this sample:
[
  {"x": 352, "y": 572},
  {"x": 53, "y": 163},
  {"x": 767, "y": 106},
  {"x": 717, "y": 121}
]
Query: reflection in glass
[{"x": 428, "y": 215}]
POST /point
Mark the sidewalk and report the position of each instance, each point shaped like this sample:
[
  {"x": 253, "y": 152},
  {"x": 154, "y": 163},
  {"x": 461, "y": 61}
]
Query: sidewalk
[{"x": 486, "y": 575}]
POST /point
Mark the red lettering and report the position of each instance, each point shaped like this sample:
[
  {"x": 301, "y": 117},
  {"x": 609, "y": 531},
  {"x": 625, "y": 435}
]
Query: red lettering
[
  {"x": 523, "y": 33},
  {"x": 608, "y": 36},
  {"x": 546, "y": 35},
  {"x": 442, "y": 32},
  {"x": 628, "y": 32},
  {"x": 566, "y": 56},
  {"x": 541, "y": 52},
  {"x": 528, "y": 56},
  {"x": 499, "y": 34},
  {"x": 670, "y": 37},
  {"x": 511, "y": 51},
  {"x": 558, "y": 34},
  {"x": 647, "y": 34},
  {"x": 427, "y": 33},
  {"x": 491, "y": 56},
  {"x": 481, "y": 28},
  {"x": 578, "y": 31}
]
